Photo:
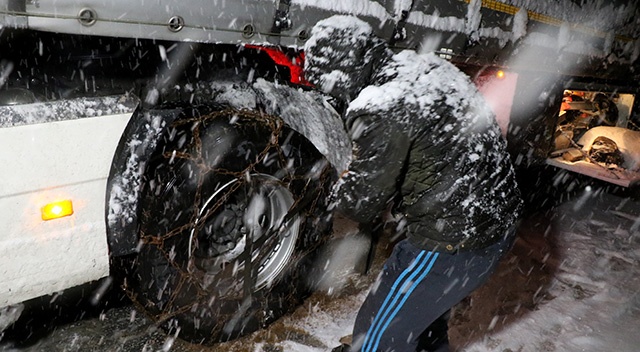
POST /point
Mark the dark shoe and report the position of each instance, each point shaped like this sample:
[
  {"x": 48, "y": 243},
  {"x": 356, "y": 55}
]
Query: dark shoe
[{"x": 342, "y": 348}]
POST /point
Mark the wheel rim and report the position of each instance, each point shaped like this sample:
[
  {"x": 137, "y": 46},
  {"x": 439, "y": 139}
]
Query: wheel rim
[{"x": 253, "y": 214}]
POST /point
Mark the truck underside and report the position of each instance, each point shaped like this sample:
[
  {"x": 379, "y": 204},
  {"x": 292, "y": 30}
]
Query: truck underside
[{"x": 218, "y": 171}]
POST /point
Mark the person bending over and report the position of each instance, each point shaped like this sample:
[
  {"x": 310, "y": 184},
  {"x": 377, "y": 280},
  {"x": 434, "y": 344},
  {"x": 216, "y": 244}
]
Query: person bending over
[{"x": 422, "y": 134}]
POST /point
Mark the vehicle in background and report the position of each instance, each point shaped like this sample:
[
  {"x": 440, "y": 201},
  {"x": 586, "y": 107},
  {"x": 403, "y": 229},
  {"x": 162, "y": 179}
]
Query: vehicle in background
[{"x": 177, "y": 145}]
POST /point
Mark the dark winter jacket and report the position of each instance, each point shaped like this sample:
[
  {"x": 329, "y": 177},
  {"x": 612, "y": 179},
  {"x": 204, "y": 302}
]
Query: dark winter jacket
[{"x": 422, "y": 131}]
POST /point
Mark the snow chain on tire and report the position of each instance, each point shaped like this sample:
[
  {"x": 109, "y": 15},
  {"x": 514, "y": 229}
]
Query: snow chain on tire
[{"x": 167, "y": 285}]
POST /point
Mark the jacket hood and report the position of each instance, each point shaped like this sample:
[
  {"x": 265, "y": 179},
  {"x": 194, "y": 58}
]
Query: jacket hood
[{"x": 341, "y": 55}]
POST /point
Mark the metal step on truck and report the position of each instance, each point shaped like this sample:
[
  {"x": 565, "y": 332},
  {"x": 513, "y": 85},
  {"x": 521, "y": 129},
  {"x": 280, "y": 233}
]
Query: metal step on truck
[{"x": 176, "y": 147}]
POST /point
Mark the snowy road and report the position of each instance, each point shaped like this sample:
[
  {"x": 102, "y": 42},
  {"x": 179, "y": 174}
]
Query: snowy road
[{"x": 571, "y": 283}]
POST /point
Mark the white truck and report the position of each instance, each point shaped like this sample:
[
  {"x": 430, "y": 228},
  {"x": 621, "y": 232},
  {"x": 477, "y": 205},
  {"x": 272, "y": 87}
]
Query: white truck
[{"x": 175, "y": 145}]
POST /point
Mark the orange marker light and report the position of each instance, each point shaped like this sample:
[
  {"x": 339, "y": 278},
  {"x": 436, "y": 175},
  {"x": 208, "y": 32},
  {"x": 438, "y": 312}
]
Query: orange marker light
[
  {"x": 57, "y": 210},
  {"x": 500, "y": 74}
]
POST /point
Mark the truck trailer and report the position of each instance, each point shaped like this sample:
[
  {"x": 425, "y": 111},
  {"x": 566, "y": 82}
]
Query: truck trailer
[{"x": 177, "y": 147}]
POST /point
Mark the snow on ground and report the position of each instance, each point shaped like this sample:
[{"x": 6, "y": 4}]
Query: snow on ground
[
  {"x": 570, "y": 283},
  {"x": 327, "y": 326}
]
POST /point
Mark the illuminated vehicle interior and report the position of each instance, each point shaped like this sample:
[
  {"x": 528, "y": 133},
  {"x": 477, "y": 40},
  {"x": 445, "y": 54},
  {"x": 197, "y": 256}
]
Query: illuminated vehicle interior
[{"x": 596, "y": 135}]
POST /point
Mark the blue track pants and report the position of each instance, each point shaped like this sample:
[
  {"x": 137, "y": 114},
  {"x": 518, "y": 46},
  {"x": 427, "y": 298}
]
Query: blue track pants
[{"x": 417, "y": 288}]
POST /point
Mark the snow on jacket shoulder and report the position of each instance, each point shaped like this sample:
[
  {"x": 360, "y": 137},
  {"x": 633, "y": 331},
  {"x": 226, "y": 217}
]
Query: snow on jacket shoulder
[{"x": 423, "y": 129}]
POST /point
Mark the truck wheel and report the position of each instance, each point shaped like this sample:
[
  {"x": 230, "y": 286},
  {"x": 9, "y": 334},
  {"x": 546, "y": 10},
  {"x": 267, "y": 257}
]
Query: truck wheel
[{"x": 216, "y": 259}]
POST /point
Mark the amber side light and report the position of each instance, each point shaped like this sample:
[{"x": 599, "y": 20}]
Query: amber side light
[{"x": 57, "y": 210}]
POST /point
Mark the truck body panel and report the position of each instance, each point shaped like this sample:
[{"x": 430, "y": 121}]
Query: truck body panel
[
  {"x": 195, "y": 20},
  {"x": 486, "y": 32},
  {"x": 44, "y": 163}
]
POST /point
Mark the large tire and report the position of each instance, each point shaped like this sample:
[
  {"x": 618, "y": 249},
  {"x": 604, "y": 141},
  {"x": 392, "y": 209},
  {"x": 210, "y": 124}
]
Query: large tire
[{"x": 220, "y": 177}]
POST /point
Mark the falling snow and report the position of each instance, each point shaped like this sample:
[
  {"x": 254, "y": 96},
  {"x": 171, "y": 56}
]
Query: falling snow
[{"x": 571, "y": 282}]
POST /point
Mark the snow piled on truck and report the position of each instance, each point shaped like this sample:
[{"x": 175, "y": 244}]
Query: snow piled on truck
[
  {"x": 602, "y": 15},
  {"x": 353, "y": 7},
  {"x": 597, "y": 28},
  {"x": 62, "y": 110}
]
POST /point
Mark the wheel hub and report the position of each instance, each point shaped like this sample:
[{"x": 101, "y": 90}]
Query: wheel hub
[{"x": 254, "y": 210}]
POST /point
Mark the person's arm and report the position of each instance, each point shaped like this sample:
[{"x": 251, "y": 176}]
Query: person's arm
[{"x": 380, "y": 150}]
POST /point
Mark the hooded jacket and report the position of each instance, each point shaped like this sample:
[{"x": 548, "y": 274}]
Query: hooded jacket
[{"x": 421, "y": 133}]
